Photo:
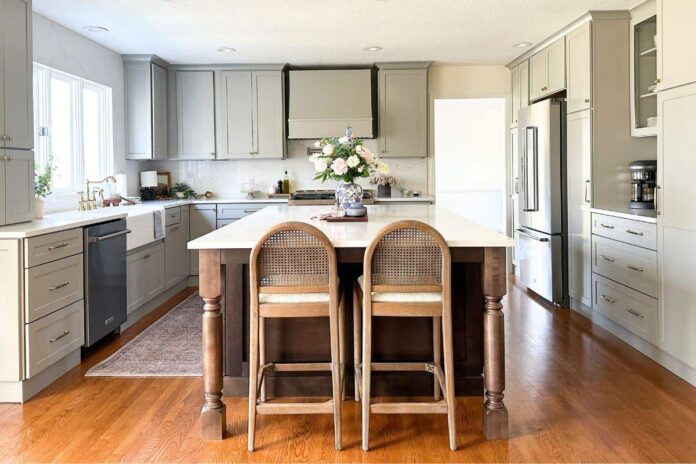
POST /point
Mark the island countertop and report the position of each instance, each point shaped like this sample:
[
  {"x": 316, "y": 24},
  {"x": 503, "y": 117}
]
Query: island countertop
[{"x": 457, "y": 231}]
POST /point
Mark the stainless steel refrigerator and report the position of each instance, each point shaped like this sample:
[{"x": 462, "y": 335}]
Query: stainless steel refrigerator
[{"x": 542, "y": 236}]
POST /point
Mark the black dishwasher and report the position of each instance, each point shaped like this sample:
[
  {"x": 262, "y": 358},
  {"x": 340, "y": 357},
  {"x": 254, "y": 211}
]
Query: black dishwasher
[{"x": 105, "y": 279}]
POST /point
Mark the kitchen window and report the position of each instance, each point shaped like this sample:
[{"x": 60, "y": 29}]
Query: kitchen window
[{"x": 73, "y": 128}]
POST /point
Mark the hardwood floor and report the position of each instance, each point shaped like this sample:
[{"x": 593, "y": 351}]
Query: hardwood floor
[{"x": 574, "y": 392}]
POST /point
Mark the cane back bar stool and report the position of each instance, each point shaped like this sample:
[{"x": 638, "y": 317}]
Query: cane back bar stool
[
  {"x": 292, "y": 273},
  {"x": 406, "y": 273}
]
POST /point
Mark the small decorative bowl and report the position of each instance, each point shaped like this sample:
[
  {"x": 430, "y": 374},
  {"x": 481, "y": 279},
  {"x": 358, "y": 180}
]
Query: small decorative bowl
[{"x": 356, "y": 209}]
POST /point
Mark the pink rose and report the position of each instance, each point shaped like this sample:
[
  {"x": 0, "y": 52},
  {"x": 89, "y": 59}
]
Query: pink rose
[{"x": 339, "y": 166}]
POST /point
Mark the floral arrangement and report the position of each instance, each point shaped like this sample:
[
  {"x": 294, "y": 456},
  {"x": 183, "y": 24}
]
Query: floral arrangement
[
  {"x": 42, "y": 182},
  {"x": 345, "y": 159},
  {"x": 383, "y": 180}
]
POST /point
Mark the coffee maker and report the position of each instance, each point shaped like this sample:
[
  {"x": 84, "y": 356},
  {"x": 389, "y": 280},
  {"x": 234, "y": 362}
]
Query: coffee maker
[{"x": 643, "y": 178}]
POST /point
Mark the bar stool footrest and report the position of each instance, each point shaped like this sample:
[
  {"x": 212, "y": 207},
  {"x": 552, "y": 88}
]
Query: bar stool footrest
[
  {"x": 295, "y": 408},
  {"x": 433, "y": 407}
]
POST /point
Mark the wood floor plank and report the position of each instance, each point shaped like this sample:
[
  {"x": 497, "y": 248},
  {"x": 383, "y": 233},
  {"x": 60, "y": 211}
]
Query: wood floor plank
[{"x": 575, "y": 393}]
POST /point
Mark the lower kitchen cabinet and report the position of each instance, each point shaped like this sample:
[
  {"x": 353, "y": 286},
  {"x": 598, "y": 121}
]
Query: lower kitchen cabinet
[
  {"x": 580, "y": 257},
  {"x": 145, "y": 274},
  {"x": 16, "y": 186},
  {"x": 203, "y": 221},
  {"x": 176, "y": 259}
]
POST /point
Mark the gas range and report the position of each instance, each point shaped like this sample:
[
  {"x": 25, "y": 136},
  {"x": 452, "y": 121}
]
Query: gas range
[{"x": 323, "y": 197}]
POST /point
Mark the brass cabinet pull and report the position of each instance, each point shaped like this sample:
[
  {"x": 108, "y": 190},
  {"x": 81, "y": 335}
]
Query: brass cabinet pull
[
  {"x": 51, "y": 340},
  {"x": 56, "y": 287},
  {"x": 657, "y": 195},
  {"x": 249, "y": 211},
  {"x": 606, "y": 258},
  {"x": 606, "y": 226},
  {"x": 587, "y": 184},
  {"x": 635, "y": 313},
  {"x": 633, "y": 232},
  {"x": 55, "y": 247},
  {"x": 146, "y": 256},
  {"x": 606, "y": 298},
  {"x": 634, "y": 268}
]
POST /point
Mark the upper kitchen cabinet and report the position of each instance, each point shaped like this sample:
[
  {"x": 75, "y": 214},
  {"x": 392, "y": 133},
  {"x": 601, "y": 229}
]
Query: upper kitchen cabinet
[
  {"x": 520, "y": 90},
  {"x": 146, "y": 107},
  {"x": 195, "y": 114},
  {"x": 16, "y": 107},
  {"x": 250, "y": 114},
  {"x": 579, "y": 68},
  {"x": 676, "y": 35},
  {"x": 403, "y": 109},
  {"x": 547, "y": 71},
  {"x": 644, "y": 70}
]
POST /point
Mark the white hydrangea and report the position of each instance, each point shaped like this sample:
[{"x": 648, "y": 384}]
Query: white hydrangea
[
  {"x": 353, "y": 161},
  {"x": 328, "y": 150}
]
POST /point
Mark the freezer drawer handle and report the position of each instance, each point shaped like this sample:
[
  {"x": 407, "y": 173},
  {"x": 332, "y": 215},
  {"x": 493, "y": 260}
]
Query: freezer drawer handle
[
  {"x": 538, "y": 239},
  {"x": 606, "y": 226},
  {"x": 606, "y": 298},
  {"x": 635, "y": 313},
  {"x": 56, "y": 287},
  {"x": 55, "y": 247},
  {"x": 633, "y": 232},
  {"x": 55, "y": 339},
  {"x": 634, "y": 268},
  {"x": 606, "y": 258},
  {"x": 108, "y": 236}
]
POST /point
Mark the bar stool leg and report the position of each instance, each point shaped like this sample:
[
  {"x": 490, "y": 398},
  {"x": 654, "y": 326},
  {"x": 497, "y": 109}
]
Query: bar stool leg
[
  {"x": 253, "y": 373},
  {"x": 357, "y": 310},
  {"x": 336, "y": 373},
  {"x": 449, "y": 377},
  {"x": 342, "y": 344},
  {"x": 262, "y": 355},
  {"x": 366, "y": 373},
  {"x": 437, "y": 353}
]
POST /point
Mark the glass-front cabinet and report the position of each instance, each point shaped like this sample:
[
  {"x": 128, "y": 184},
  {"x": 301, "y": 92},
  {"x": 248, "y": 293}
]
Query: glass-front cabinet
[{"x": 644, "y": 75}]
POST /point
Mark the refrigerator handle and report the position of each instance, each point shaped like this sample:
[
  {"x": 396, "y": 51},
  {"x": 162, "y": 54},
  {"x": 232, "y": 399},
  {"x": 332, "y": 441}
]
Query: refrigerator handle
[{"x": 531, "y": 170}]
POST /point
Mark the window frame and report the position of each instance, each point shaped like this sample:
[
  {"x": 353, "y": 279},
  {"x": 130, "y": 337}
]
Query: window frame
[{"x": 42, "y": 119}]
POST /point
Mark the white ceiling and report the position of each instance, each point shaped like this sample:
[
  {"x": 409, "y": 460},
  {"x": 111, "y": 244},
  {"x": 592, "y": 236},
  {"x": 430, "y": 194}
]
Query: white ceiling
[{"x": 322, "y": 31}]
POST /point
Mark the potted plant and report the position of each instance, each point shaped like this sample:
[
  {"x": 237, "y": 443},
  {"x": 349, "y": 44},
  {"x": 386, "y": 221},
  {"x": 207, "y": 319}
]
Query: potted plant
[
  {"x": 345, "y": 159},
  {"x": 183, "y": 190},
  {"x": 384, "y": 184},
  {"x": 42, "y": 187}
]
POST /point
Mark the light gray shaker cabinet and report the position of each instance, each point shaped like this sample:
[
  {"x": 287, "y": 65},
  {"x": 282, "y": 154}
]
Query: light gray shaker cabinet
[
  {"x": 250, "y": 116},
  {"x": 146, "y": 107},
  {"x": 16, "y": 186},
  {"x": 195, "y": 100},
  {"x": 403, "y": 109},
  {"x": 16, "y": 71}
]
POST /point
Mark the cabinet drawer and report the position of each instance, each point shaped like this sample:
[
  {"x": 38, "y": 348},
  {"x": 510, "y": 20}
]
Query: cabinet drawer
[
  {"x": 628, "y": 308},
  {"x": 237, "y": 210},
  {"x": 630, "y": 265},
  {"x": 52, "y": 286},
  {"x": 642, "y": 234},
  {"x": 50, "y": 247},
  {"x": 223, "y": 222},
  {"x": 172, "y": 216},
  {"x": 53, "y": 337}
]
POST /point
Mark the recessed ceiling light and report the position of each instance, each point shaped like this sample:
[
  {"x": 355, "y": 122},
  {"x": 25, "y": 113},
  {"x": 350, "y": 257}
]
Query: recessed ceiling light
[
  {"x": 96, "y": 29},
  {"x": 227, "y": 49},
  {"x": 374, "y": 48},
  {"x": 522, "y": 44}
]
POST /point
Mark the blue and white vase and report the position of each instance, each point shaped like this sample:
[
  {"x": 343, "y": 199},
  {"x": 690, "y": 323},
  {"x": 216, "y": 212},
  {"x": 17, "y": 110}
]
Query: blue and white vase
[{"x": 348, "y": 193}]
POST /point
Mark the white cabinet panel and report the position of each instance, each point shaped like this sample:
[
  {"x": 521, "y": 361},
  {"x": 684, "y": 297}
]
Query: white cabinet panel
[
  {"x": 268, "y": 115},
  {"x": 403, "y": 112},
  {"x": 11, "y": 317},
  {"x": 195, "y": 96},
  {"x": 19, "y": 185},
  {"x": 676, "y": 60},
  {"x": 579, "y": 154},
  {"x": 515, "y": 78},
  {"x": 547, "y": 70},
  {"x": 524, "y": 84},
  {"x": 677, "y": 222},
  {"x": 580, "y": 256},
  {"x": 16, "y": 72},
  {"x": 579, "y": 69},
  {"x": 538, "y": 77}
]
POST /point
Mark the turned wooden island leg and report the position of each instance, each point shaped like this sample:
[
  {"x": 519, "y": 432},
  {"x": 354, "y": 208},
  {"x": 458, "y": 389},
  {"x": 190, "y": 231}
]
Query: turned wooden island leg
[
  {"x": 213, "y": 413},
  {"x": 495, "y": 414}
]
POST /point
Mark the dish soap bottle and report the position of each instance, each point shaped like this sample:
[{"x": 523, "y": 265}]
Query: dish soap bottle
[{"x": 286, "y": 182}]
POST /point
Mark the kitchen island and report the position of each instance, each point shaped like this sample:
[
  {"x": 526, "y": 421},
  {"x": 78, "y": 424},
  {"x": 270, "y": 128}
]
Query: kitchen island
[{"x": 479, "y": 284}]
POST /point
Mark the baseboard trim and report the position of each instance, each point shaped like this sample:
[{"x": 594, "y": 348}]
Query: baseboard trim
[
  {"x": 661, "y": 357},
  {"x": 21, "y": 391},
  {"x": 148, "y": 307}
]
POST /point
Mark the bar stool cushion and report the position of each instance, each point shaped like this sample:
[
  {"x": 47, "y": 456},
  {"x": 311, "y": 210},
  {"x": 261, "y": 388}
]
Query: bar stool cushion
[{"x": 388, "y": 297}]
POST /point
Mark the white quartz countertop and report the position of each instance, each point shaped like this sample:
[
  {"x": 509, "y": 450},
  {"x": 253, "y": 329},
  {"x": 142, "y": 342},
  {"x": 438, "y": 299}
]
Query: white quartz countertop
[{"x": 457, "y": 231}]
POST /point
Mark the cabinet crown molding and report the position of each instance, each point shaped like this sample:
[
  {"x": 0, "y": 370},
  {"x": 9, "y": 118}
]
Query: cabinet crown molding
[
  {"x": 404, "y": 65},
  {"x": 147, "y": 58}
]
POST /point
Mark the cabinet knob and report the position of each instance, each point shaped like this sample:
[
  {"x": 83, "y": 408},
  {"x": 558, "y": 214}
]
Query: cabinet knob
[
  {"x": 3, "y": 137},
  {"x": 9, "y": 137},
  {"x": 587, "y": 100},
  {"x": 4, "y": 158},
  {"x": 9, "y": 158},
  {"x": 658, "y": 80}
]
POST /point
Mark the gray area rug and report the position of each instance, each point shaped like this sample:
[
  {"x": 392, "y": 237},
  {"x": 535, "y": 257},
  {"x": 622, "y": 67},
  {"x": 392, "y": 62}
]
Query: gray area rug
[{"x": 171, "y": 347}]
